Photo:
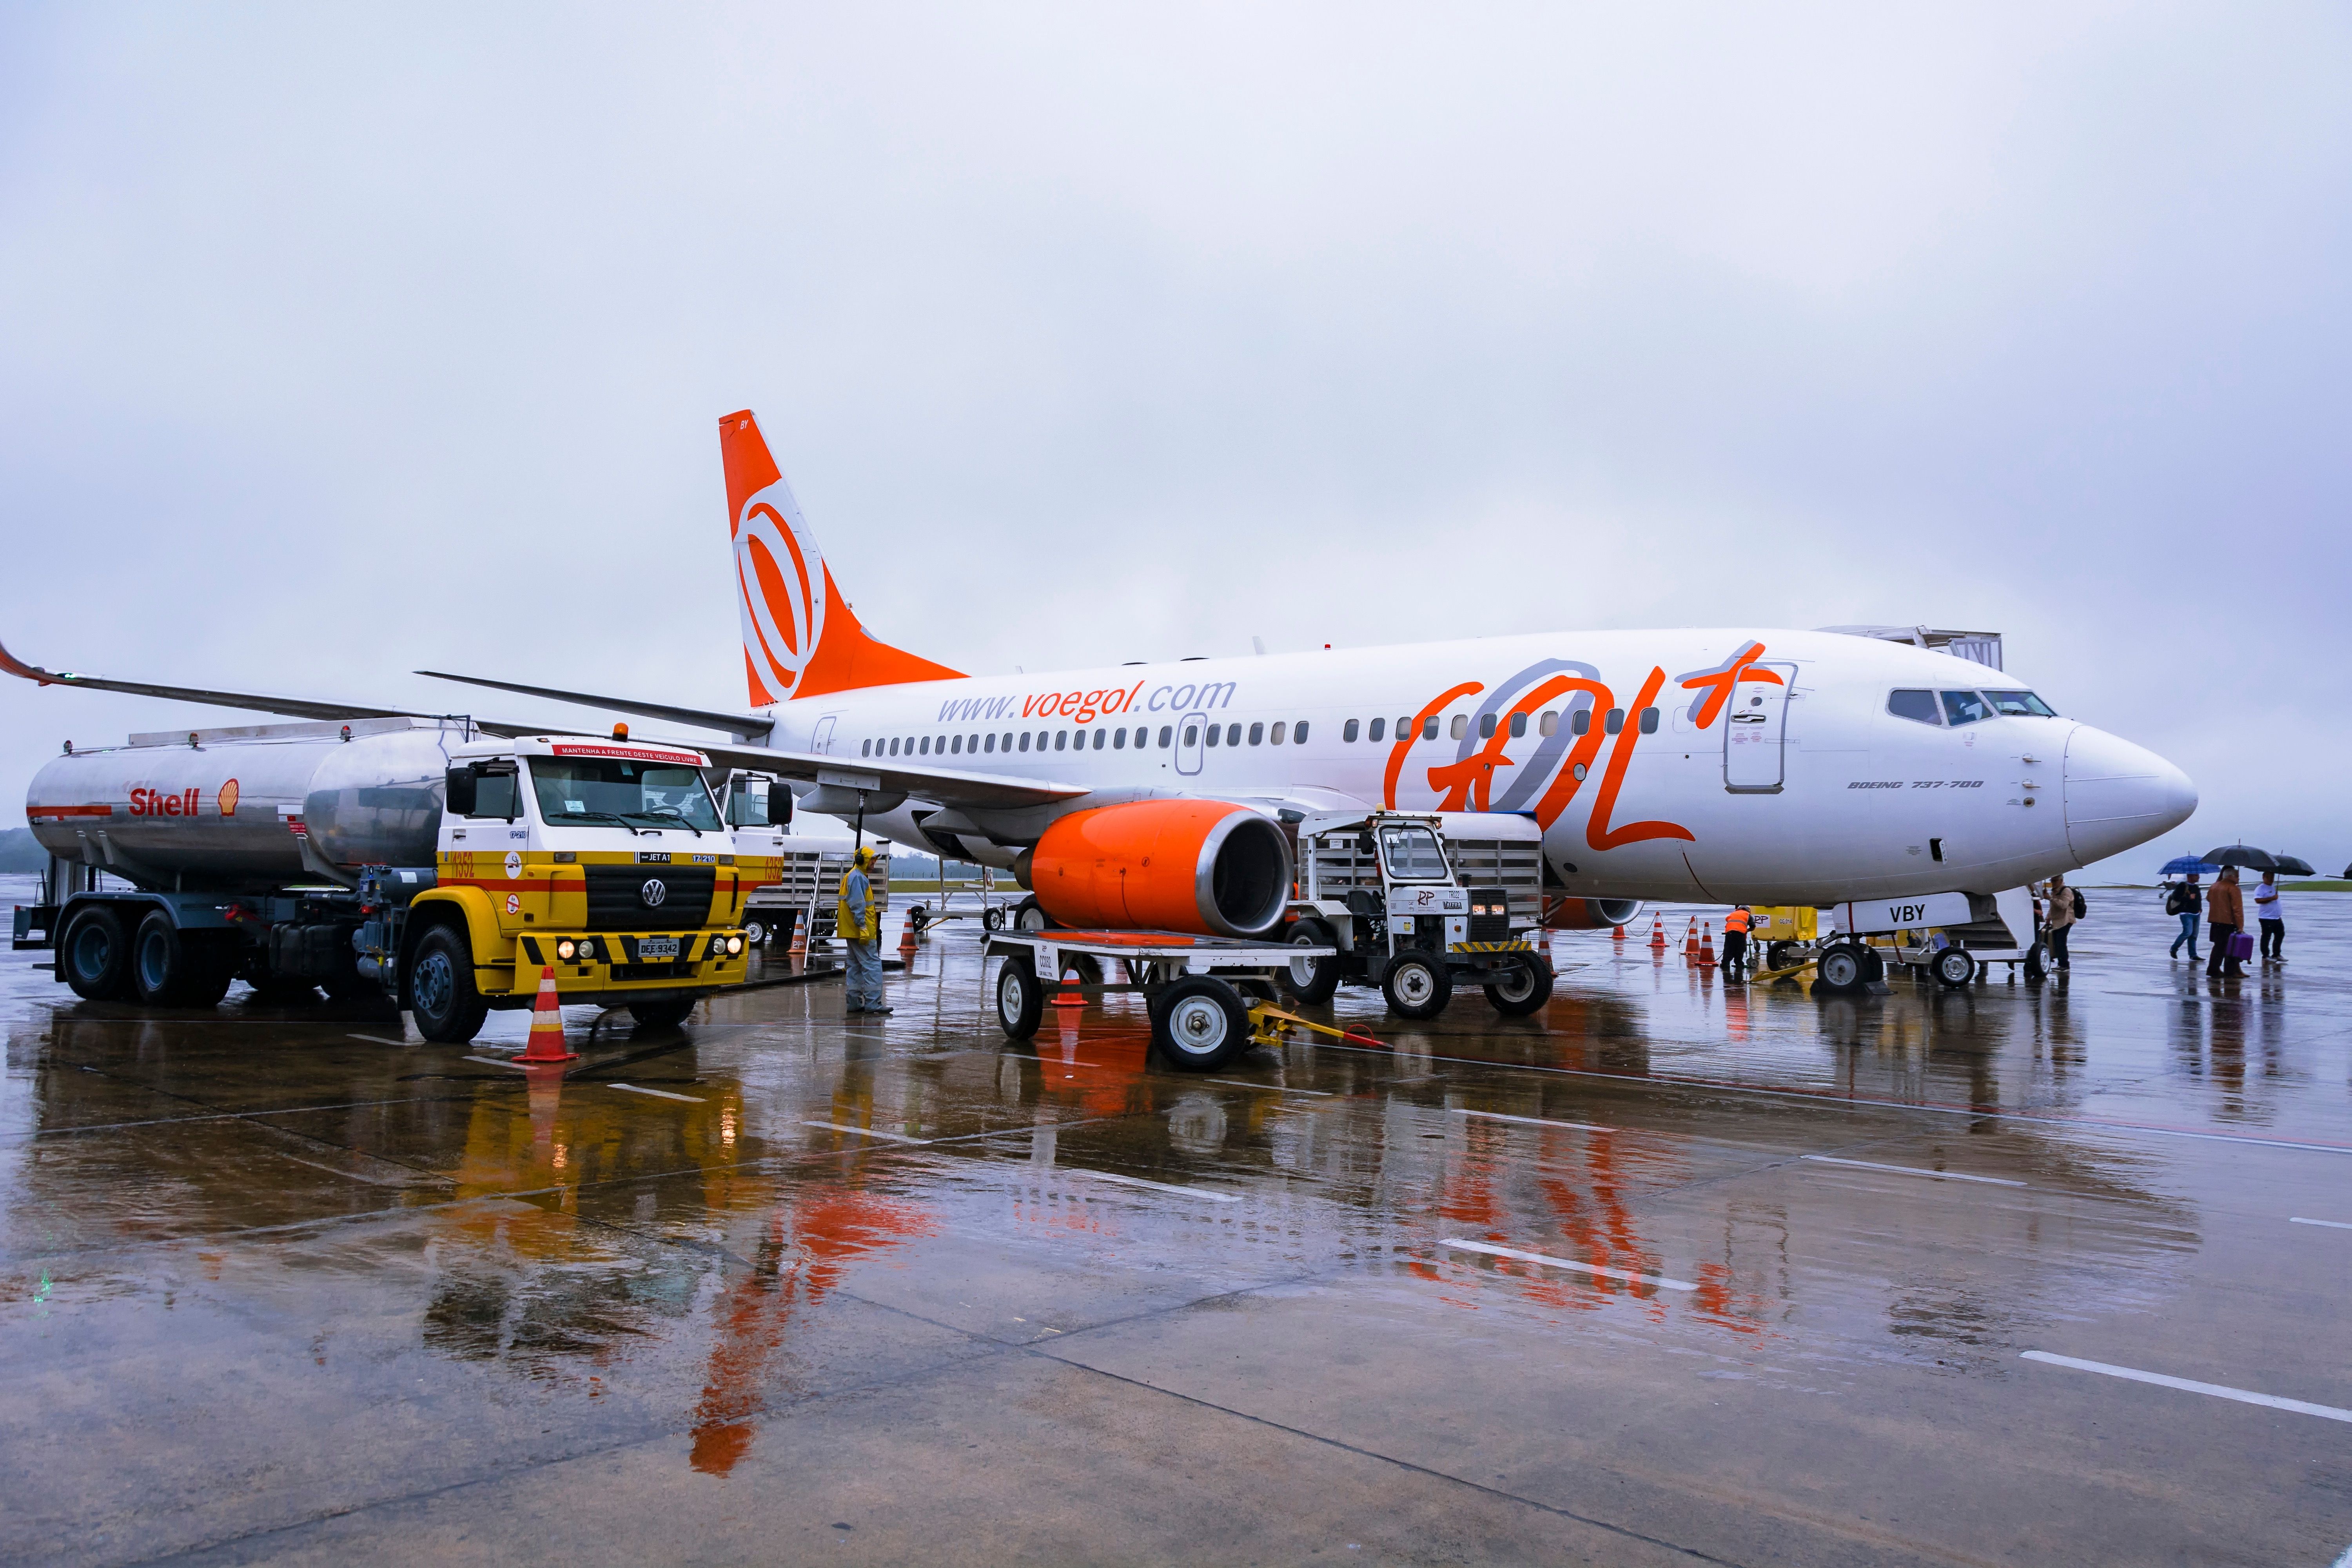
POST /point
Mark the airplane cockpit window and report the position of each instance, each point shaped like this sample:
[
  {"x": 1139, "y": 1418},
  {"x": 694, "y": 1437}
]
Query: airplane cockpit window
[
  {"x": 2020, "y": 705},
  {"x": 1917, "y": 706},
  {"x": 1965, "y": 707},
  {"x": 1413, "y": 854}
]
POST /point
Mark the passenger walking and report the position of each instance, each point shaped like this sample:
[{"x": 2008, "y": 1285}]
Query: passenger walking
[
  {"x": 857, "y": 919},
  {"x": 2186, "y": 901},
  {"x": 2225, "y": 916},
  {"x": 2268, "y": 911},
  {"x": 2058, "y": 918},
  {"x": 1735, "y": 943}
]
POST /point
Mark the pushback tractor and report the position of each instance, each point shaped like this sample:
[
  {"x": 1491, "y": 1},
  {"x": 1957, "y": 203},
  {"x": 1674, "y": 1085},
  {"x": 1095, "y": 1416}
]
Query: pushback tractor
[{"x": 399, "y": 860}]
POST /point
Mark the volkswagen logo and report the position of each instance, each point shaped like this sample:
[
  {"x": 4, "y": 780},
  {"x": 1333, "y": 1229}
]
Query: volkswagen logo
[{"x": 652, "y": 894}]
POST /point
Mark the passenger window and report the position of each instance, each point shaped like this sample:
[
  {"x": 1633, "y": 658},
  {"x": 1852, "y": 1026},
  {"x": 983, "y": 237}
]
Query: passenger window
[
  {"x": 1274, "y": 736},
  {"x": 2020, "y": 705},
  {"x": 1917, "y": 706},
  {"x": 1549, "y": 725},
  {"x": 1298, "y": 733},
  {"x": 1024, "y": 739},
  {"x": 1165, "y": 731},
  {"x": 957, "y": 746},
  {"x": 1119, "y": 740},
  {"x": 867, "y": 749},
  {"x": 1429, "y": 728},
  {"x": 1486, "y": 726},
  {"x": 1061, "y": 739},
  {"x": 991, "y": 743},
  {"x": 1459, "y": 728},
  {"x": 1099, "y": 737},
  {"x": 1190, "y": 735},
  {"x": 1404, "y": 729},
  {"x": 1965, "y": 707},
  {"x": 894, "y": 745},
  {"x": 1519, "y": 725},
  {"x": 1580, "y": 721},
  {"x": 1257, "y": 734},
  {"x": 1008, "y": 743},
  {"x": 1649, "y": 720},
  {"x": 1378, "y": 724},
  {"x": 1348, "y": 730},
  {"x": 1216, "y": 734}
]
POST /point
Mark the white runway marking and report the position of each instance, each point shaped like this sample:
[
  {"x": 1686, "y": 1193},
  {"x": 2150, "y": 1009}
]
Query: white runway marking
[
  {"x": 495, "y": 1062},
  {"x": 2219, "y": 1391},
  {"x": 375, "y": 1040},
  {"x": 866, "y": 1132},
  {"x": 1277, "y": 1088},
  {"x": 1660, "y": 1281},
  {"x": 1532, "y": 1120},
  {"x": 1912, "y": 1171},
  {"x": 657, "y": 1093},
  {"x": 2330, "y": 1224},
  {"x": 1157, "y": 1186}
]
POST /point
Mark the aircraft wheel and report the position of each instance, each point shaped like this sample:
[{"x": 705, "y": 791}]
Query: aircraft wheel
[
  {"x": 1020, "y": 997},
  {"x": 1521, "y": 989},
  {"x": 1953, "y": 967},
  {"x": 1416, "y": 985},
  {"x": 1312, "y": 980},
  {"x": 96, "y": 954},
  {"x": 1201, "y": 1023}
]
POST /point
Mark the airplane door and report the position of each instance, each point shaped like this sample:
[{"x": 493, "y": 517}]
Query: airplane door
[
  {"x": 1755, "y": 734},
  {"x": 1189, "y": 743},
  {"x": 821, "y": 741}
]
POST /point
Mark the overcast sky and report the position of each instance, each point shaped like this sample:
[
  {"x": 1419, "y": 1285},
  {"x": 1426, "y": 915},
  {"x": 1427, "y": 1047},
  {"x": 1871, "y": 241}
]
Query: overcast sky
[{"x": 332, "y": 346}]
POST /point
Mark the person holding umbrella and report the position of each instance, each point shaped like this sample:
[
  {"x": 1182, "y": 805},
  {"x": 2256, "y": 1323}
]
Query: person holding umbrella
[
  {"x": 2188, "y": 903},
  {"x": 2225, "y": 911}
]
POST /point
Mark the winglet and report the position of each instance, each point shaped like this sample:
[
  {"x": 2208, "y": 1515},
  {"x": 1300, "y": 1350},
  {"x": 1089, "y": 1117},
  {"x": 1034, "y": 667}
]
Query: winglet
[
  {"x": 800, "y": 636},
  {"x": 17, "y": 666}
]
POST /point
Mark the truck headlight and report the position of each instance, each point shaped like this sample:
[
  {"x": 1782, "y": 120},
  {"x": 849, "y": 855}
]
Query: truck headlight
[
  {"x": 566, "y": 948},
  {"x": 587, "y": 950},
  {"x": 734, "y": 945}
]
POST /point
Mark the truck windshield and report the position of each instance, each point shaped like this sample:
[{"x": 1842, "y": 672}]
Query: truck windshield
[
  {"x": 1413, "y": 855},
  {"x": 598, "y": 789}
]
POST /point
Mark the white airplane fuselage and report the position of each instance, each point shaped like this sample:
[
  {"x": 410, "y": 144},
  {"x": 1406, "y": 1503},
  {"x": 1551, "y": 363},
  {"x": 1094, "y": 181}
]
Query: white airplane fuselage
[{"x": 1769, "y": 769}]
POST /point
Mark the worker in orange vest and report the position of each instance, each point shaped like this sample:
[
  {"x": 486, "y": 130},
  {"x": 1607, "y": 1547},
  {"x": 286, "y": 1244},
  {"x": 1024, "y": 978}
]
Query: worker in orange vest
[{"x": 1735, "y": 943}]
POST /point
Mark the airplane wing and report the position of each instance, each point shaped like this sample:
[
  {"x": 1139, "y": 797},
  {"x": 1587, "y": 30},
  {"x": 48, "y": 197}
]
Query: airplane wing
[
  {"x": 841, "y": 780},
  {"x": 743, "y": 726},
  {"x": 291, "y": 707}
]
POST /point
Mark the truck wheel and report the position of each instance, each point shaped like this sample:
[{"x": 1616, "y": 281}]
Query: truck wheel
[
  {"x": 666, "y": 1015},
  {"x": 96, "y": 954},
  {"x": 1522, "y": 989},
  {"x": 163, "y": 963},
  {"x": 1416, "y": 985},
  {"x": 1201, "y": 1023},
  {"x": 754, "y": 934},
  {"x": 1312, "y": 980},
  {"x": 1841, "y": 969},
  {"x": 216, "y": 964},
  {"x": 1954, "y": 967},
  {"x": 1020, "y": 997},
  {"x": 441, "y": 993}
]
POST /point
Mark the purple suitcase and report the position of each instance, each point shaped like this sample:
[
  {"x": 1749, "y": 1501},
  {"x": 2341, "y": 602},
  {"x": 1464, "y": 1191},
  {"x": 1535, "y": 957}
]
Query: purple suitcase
[{"x": 2241, "y": 944}]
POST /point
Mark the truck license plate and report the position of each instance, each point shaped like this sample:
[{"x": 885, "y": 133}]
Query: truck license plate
[{"x": 656, "y": 949}]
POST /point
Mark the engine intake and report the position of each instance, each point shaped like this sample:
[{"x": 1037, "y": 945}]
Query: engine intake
[
  {"x": 1589, "y": 914},
  {"x": 1207, "y": 867}
]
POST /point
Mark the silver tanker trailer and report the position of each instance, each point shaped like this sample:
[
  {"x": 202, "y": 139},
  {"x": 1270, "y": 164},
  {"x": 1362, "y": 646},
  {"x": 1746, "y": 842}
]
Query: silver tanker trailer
[{"x": 399, "y": 858}]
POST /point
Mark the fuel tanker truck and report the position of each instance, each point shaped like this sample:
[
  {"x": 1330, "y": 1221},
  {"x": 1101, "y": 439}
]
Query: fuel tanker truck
[{"x": 410, "y": 859}]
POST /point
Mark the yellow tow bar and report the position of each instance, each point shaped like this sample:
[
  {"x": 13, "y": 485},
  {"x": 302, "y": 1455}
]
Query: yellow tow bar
[
  {"x": 1769, "y": 976},
  {"x": 1267, "y": 1023}
]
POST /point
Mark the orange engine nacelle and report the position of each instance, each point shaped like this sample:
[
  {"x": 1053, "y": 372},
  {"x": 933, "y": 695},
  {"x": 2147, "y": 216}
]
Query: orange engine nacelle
[
  {"x": 1589, "y": 914},
  {"x": 1207, "y": 867}
]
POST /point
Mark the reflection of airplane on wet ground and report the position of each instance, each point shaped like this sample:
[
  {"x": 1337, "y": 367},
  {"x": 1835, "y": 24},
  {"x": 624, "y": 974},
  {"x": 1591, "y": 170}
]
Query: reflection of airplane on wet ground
[{"x": 1740, "y": 764}]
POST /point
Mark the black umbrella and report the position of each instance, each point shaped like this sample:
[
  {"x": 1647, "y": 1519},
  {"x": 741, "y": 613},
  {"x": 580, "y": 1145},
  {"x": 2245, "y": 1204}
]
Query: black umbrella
[
  {"x": 2244, "y": 855},
  {"x": 2295, "y": 867}
]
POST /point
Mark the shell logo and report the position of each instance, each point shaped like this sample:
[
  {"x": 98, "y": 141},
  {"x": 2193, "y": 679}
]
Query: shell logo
[
  {"x": 780, "y": 577},
  {"x": 229, "y": 798}
]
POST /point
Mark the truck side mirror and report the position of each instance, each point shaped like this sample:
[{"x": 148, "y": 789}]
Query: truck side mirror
[{"x": 460, "y": 801}]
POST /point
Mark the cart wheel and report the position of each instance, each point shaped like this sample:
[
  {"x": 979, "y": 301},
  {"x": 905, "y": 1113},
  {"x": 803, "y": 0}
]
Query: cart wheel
[
  {"x": 1312, "y": 980},
  {"x": 917, "y": 917},
  {"x": 1776, "y": 954},
  {"x": 754, "y": 934},
  {"x": 1521, "y": 989},
  {"x": 1842, "y": 969},
  {"x": 1953, "y": 967},
  {"x": 1029, "y": 915},
  {"x": 1020, "y": 997},
  {"x": 1416, "y": 985},
  {"x": 993, "y": 917},
  {"x": 2034, "y": 971},
  {"x": 1200, "y": 1024}
]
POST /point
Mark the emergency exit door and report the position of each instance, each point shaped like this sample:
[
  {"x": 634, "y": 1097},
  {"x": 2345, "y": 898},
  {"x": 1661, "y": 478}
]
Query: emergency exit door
[
  {"x": 1189, "y": 743},
  {"x": 1755, "y": 730}
]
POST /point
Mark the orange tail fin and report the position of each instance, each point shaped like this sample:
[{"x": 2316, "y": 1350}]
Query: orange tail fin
[{"x": 800, "y": 636}]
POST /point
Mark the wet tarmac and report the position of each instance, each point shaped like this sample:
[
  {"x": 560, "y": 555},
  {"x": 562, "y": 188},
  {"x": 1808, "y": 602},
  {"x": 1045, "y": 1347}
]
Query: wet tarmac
[{"x": 1673, "y": 1272}]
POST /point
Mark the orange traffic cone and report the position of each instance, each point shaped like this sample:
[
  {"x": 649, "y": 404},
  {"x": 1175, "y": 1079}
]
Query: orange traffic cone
[
  {"x": 1068, "y": 997},
  {"x": 1658, "y": 933},
  {"x": 907, "y": 941},
  {"x": 1618, "y": 934},
  {"x": 1690, "y": 943},
  {"x": 798, "y": 946},
  {"x": 1706, "y": 947},
  {"x": 546, "y": 1043}
]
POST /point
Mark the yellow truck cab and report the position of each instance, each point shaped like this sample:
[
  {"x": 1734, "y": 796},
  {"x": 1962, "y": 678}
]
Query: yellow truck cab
[{"x": 605, "y": 860}]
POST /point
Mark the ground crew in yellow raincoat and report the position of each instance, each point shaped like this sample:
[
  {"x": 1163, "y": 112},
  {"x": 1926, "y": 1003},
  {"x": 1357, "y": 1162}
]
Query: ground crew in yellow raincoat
[{"x": 857, "y": 919}]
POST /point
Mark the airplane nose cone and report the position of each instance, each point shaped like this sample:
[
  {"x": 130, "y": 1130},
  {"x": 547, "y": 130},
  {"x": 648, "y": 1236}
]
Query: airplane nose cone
[{"x": 2119, "y": 795}]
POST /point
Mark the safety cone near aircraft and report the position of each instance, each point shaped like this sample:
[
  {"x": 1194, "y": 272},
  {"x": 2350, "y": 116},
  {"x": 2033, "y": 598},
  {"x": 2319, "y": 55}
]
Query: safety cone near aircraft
[
  {"x": 1707, "y": 946},
  {"x": 546, "y": 1043},
  {"x": 1068, "y": 995},
  {"x": 1658, "y": 933},
  {"x": 1690, "y": 943},
  {"x": 1617, "y": 934},
  {"x": 906, "y": 939}
]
